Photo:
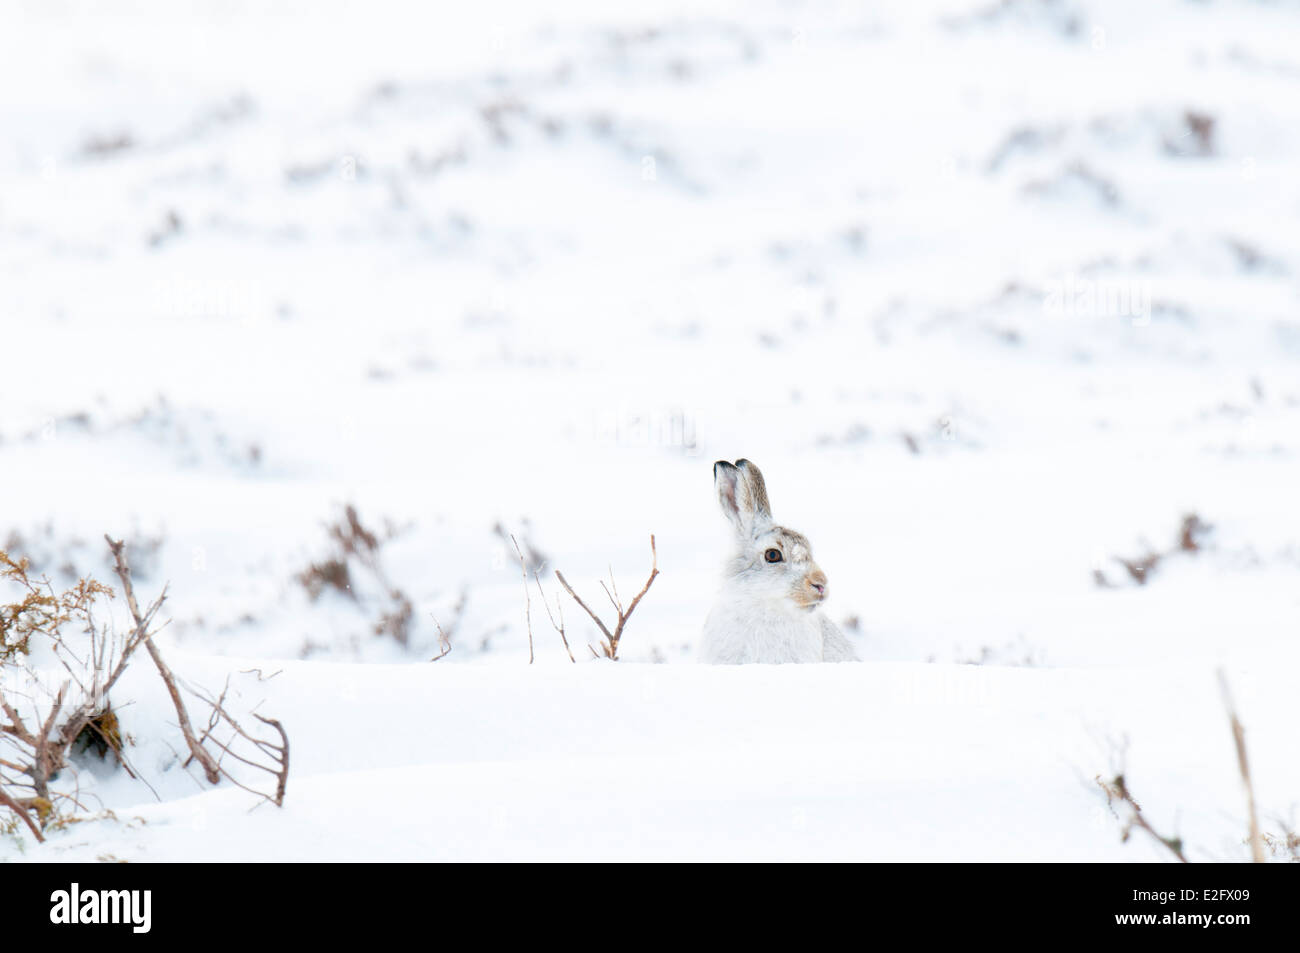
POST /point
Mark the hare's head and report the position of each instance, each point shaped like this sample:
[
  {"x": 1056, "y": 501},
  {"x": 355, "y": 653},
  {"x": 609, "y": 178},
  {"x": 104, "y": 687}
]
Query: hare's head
[{"x": 770, "y": 561}]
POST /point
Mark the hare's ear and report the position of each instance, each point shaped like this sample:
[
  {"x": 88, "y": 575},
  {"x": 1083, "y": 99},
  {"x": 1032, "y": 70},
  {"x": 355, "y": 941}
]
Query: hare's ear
[{"x": 742, "y": 496}]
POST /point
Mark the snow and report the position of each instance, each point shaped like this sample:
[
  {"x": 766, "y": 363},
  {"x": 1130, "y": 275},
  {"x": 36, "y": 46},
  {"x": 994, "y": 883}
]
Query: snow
[
  {"x": 963, "y": 278},
  {"x": 887, "y": 761}
]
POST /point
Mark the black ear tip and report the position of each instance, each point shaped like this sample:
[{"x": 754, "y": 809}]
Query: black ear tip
[
  {"x": 742, "y": 463},
  {"x": 723, "y": 464}
]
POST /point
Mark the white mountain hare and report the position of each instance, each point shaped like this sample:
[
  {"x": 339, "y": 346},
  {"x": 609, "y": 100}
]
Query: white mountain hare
[{"x": 768, "y": 609}]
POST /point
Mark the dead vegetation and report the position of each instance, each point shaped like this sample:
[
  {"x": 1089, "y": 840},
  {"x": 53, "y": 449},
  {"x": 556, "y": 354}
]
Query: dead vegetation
[
  {"x": 1243, "y": 766},
  {"x": 610, "y": 642},
  {"x": 356, "y": 545},
  {"x": 1189, "y": 541},
  {"x": 445, "y": 635},
  {"x": 169, "y": 228},
  {"x": 258, "y": 753},
  {"x": 532, "y": 562},
  {"x": 1284, "y": 846},
  {"x": 142, "y": 622},
  {"x": 40, "y": 742},
  {"x": 1077, "y": 174},
  {"x": 101, "y": 145},
  {"x": 1195, "y": 136},
  {"x": 444, "y": 644},
  {"x": 534, "y": 558},
  {"x": 189, "y": 434},
  {"x": 58, "y": 666},
  {"x": 329, "y": 573},
  {"x": 1016, "y": 652},
  {"x": 528, "y": 604},
  {"x": 1120, "y": 797},
  {"x": 69, "y": 557}
]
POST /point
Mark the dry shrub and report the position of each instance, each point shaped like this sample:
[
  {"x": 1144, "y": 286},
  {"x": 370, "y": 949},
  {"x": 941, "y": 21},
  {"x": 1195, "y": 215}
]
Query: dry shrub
[
  {"x": 44, "y": 723},
  {"x": 1118, "y": 795},
  {"x": 327, "y": 574},
  {"x": 1190, "y": 540},
  {"x": 1285, "y": 845},
  {"x": 356, "y": 545},
  {"x": 41, "y": 610},
  {"x": 523, "y": 546},
  {"x": 610, "y": 640}
]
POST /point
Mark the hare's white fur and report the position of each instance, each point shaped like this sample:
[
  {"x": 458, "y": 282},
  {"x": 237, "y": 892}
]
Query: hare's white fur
[{"x": 768, "y": 610}]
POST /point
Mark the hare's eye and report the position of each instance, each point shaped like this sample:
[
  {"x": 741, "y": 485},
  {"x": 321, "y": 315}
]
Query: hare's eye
[{"x": 773, "y": 555}]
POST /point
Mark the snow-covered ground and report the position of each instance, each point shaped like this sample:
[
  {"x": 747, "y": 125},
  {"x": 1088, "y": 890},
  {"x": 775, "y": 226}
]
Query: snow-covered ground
[{"x": 994, "y": 293}]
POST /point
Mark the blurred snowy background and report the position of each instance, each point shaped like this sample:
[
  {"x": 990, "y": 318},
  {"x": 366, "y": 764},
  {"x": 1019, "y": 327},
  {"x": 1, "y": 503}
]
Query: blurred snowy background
[{"x": 1002, "y": 297}]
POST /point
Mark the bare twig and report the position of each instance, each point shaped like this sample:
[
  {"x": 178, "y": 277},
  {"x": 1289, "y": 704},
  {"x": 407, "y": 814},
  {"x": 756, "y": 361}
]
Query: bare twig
[
  {"x": 258, "y": 673},
  {"x": 279, "y": 754},
  {"x": 444, "y": 643},
  {"x": 1117, "y": 790},
  {"x": 445, "y": 635},
  {"x": 528, "y": 604},
  {"x": 610, "y": 646},
  {"x": 559, "y": 608},
  {"x": 614, "y": 585},
  {"x": 654, "y": 571},
  {"x": 21, "y": 811},
  {"x": 578, "y": 599},
  {"x": 46, "y": 762},
  {"x": 613, "y": 596},
  {"x": 1243, "y": 765},
  {"x": 283, "y": 752},
  {"x": 214, "y": 719},
  {"x": 201, "y": 754}
]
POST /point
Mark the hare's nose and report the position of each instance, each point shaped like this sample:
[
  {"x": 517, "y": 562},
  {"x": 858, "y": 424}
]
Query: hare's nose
[
  {"x": 819, "y": 586},
  {"x": 817, "y": 579}
]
